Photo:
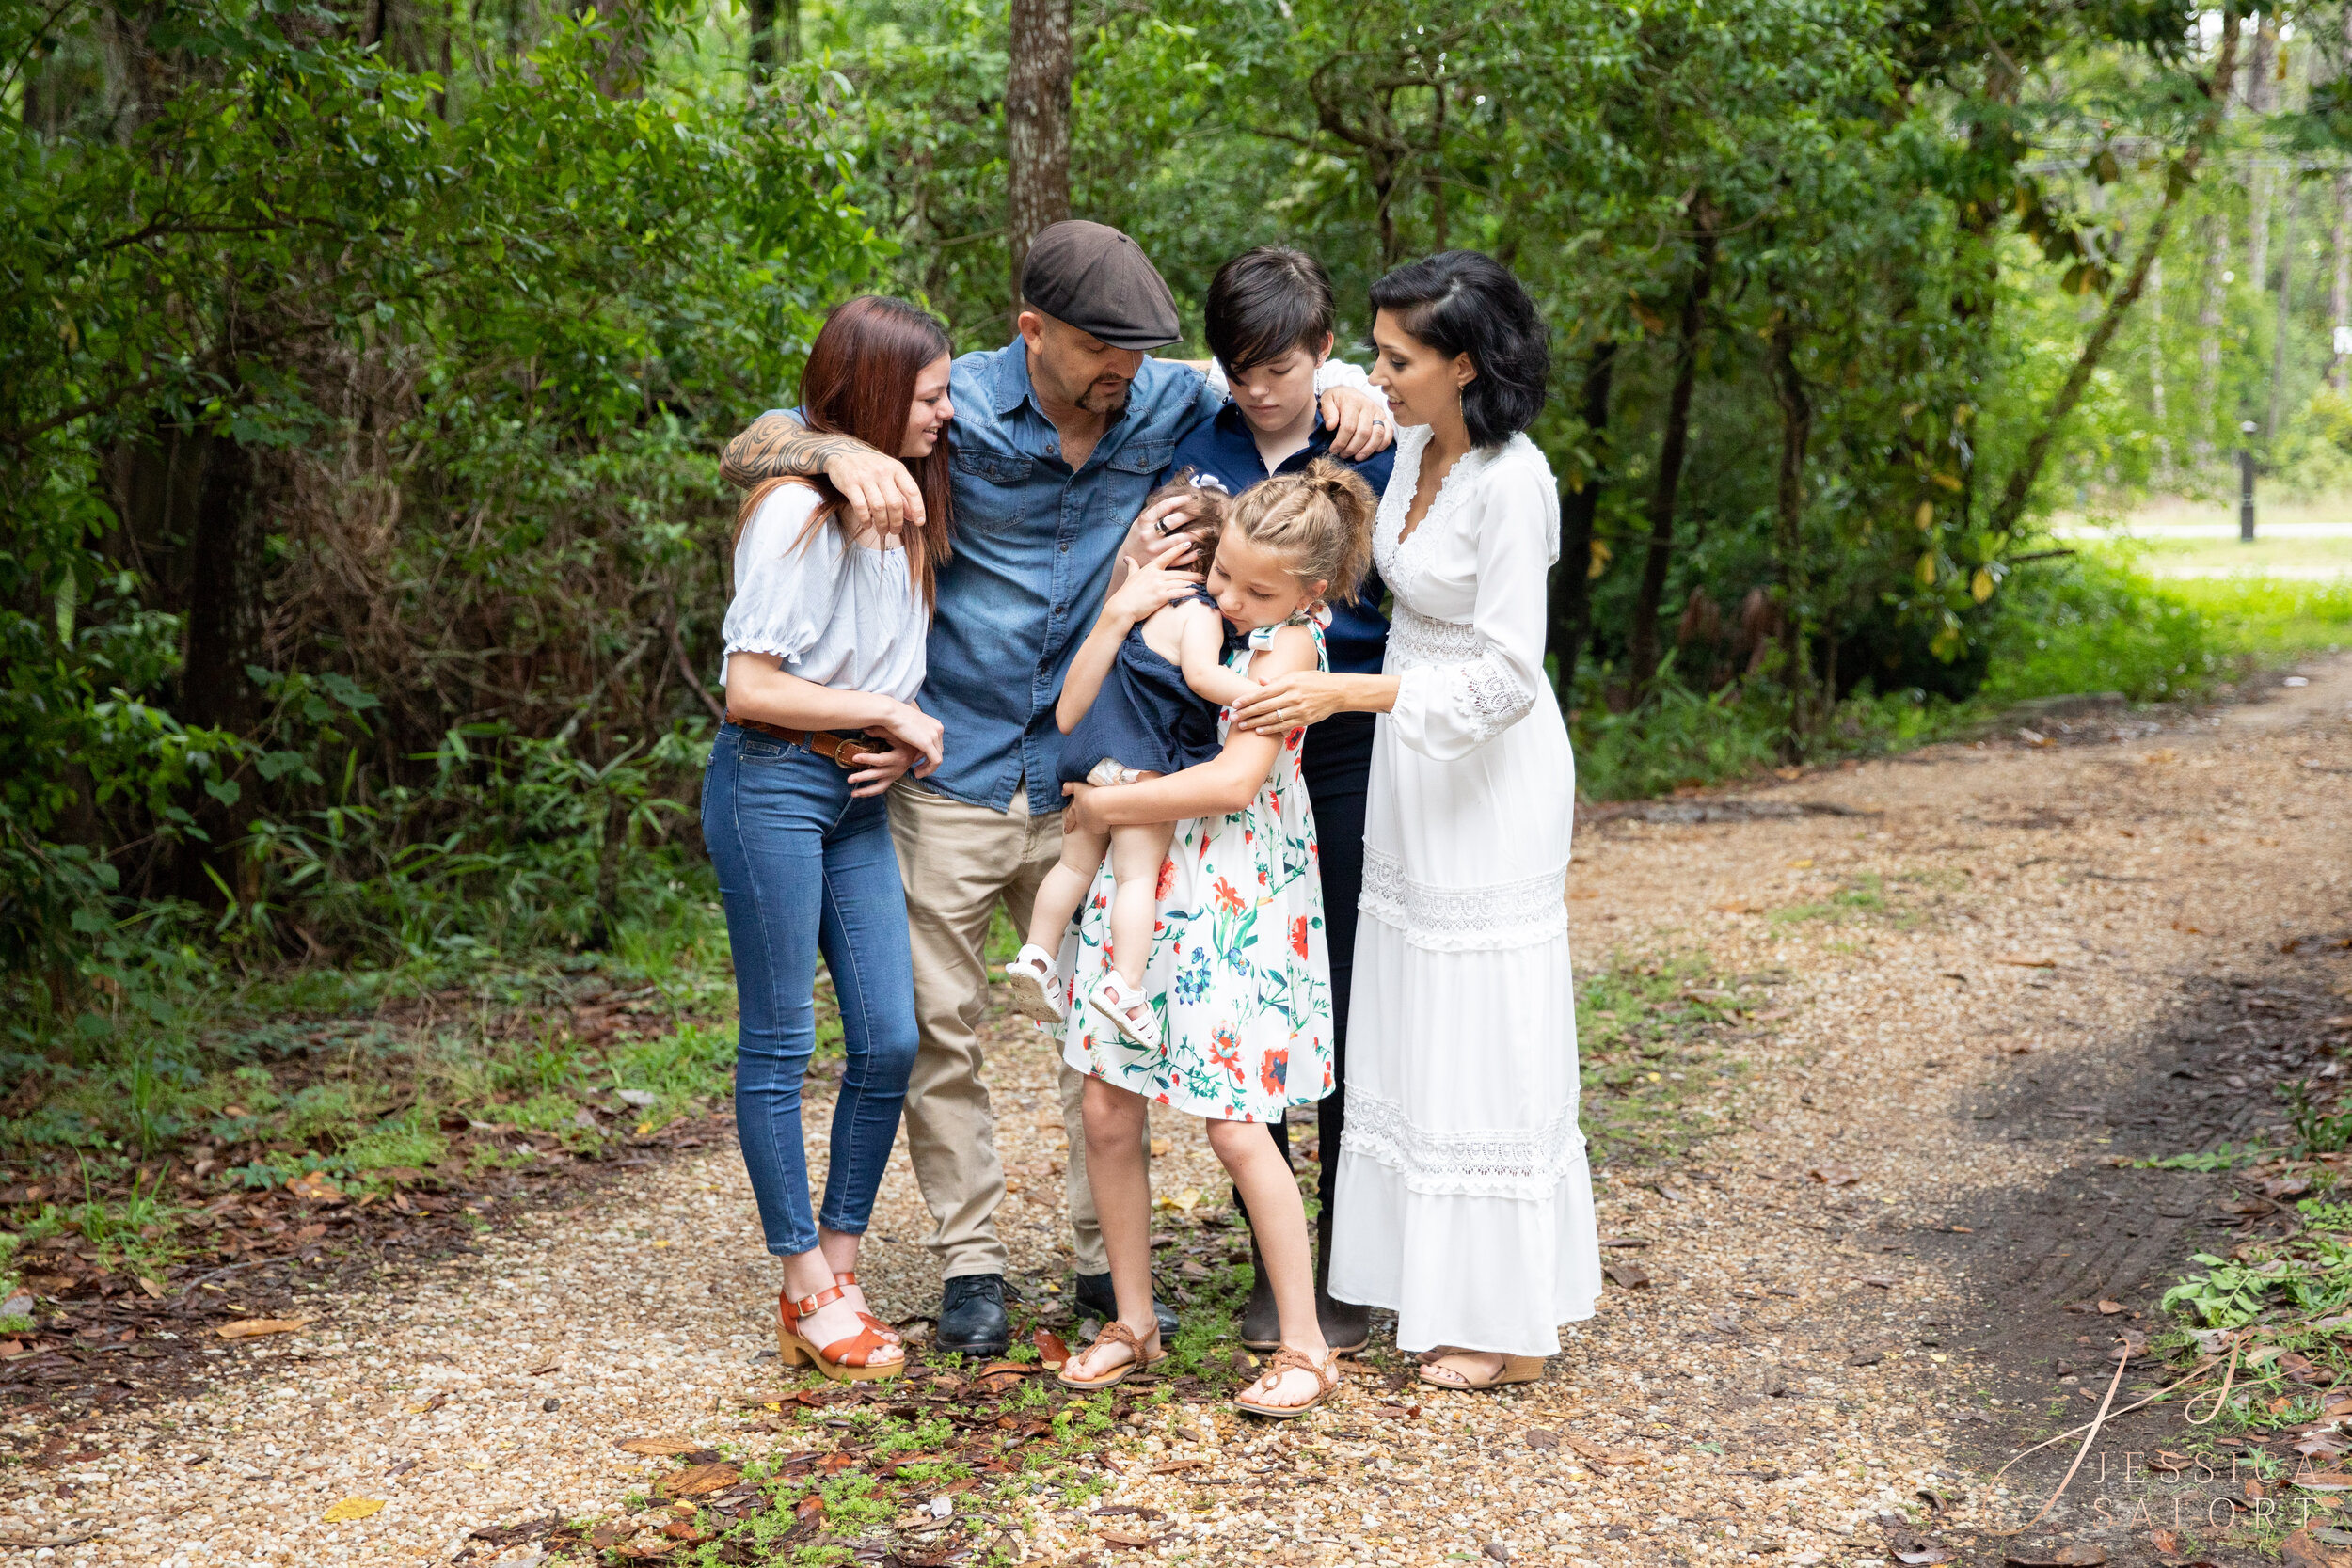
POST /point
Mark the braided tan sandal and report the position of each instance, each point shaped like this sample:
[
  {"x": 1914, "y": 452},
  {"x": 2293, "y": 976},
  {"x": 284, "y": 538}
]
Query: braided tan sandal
[
  {"x": 1326, "y": 1378},
  {"x": 1116, "y": 1332}
]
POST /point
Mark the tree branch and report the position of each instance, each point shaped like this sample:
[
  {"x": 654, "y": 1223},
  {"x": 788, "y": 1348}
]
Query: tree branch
[{"x": 2019, "y": 489}]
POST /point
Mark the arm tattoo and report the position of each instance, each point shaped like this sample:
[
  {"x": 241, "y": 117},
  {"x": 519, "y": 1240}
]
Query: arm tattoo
[{"x": 777, "y": 445}]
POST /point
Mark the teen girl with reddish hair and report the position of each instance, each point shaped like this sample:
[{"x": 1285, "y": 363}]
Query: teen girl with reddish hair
[{"x": 824, "y": 654}]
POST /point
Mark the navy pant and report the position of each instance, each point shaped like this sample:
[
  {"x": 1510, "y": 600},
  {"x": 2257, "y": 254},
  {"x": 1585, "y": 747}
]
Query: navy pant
[
  {"x": 805, "y": 869},
  {"x": 1337, "y": 768}
]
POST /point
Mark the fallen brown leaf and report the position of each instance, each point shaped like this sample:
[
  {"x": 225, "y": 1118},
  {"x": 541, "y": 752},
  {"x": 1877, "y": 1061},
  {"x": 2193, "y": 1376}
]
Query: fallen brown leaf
[
  {"x": 1586, "y": 1450},
  {"x": 1540, "y": 1439},
  {"x": 2109, "y": 1308},
  {"x": 2074, "y": 1556},
  {"x": 2299, "y": 1550},
  {"x": 1627, "y": 1277},
  {"x": 253, "y": 1328},
  {"x": 1833, "y": 1175},
  {"x": 697, "y": 1480},
  {"x": 656, "y": 1447},
  {"x": 2027, "y": 961},
  {"x": 1175, "y": 1465},
  {"x": 429, "y": 1406},
  {"x": 1050, "y": 1353}
]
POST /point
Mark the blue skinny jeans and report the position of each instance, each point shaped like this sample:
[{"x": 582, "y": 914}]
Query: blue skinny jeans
[{"x": 803, "y": 870}]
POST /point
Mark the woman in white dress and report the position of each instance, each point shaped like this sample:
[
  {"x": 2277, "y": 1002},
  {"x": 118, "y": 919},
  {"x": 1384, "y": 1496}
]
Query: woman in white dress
[{"x": 1464, "y": 1201}]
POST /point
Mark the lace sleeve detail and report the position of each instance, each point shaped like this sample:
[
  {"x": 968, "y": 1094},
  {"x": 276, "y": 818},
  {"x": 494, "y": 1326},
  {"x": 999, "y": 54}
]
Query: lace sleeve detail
[{"x": 1490, "y": 700}]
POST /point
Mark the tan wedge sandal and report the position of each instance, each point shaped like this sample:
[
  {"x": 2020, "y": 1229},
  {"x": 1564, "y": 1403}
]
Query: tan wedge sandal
[
  {"x": 1116, "y": 1332},
  {"x": 1326, "y": 1378},
  {"x": 1515, "y": 1369}
]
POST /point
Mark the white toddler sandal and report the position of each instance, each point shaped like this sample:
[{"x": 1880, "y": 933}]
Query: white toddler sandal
[
  {"x": 1036, "y": 991},
  {"x": 1128, "y": 1011}
]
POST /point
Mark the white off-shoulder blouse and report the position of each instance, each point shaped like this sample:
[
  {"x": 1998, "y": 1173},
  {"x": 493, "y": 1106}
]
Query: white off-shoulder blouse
[{"x": 828, "y": 611}]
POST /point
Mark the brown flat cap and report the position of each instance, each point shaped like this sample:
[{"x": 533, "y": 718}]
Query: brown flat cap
[{"x": 1099, "y": 280}]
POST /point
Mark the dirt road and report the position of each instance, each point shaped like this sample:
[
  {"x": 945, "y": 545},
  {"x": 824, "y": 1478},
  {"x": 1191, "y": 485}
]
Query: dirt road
[{"x": 1963, "y": 986}]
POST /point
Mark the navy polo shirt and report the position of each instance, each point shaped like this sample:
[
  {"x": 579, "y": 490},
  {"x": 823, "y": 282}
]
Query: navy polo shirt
[{"x": 1224, "y": 449}]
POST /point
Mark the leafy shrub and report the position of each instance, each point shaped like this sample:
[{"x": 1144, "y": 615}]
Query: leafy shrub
[{"x": 2093, "y": 626}]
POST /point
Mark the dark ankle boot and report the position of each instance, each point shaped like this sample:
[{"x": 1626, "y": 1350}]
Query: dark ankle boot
[
  {"x": 1261, "y": 1325},
  {"x": 1346, "y": 1328}
]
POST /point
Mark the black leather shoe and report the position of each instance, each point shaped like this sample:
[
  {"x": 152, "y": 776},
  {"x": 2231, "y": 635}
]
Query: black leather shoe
[
  {"x": 1094, "y": 1294},
  {"x": 972, "y": 1319},
  {"x": 1261, "y": 1325}
]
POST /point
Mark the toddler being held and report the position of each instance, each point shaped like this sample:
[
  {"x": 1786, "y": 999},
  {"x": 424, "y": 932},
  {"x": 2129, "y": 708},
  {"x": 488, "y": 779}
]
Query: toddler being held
[{"x": 1154, "y": 713}]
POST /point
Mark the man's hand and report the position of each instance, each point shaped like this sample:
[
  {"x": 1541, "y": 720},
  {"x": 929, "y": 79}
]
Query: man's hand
[
  {"x": 880, "y": 494},
  {"x": 1358, "y": 421}
]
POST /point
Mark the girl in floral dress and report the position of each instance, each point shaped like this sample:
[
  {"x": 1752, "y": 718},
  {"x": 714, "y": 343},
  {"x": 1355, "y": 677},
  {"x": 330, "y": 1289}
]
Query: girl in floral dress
[{"x": 1237, "y": 974}]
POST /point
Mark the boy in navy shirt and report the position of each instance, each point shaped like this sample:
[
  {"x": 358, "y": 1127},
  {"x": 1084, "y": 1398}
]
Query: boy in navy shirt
[{"x": 1269, "y": 324}]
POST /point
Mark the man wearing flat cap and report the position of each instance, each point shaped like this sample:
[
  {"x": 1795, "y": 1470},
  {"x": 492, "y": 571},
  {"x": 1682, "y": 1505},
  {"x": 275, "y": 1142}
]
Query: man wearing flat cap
[{"x": 1058, "y": 438}]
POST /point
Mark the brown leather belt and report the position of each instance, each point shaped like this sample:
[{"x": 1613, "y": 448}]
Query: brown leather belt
[{"x": 837, "y": 748}]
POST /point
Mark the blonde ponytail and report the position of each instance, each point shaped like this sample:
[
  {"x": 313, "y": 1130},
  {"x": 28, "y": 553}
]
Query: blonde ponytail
[{"x": 1319, "y": 520}]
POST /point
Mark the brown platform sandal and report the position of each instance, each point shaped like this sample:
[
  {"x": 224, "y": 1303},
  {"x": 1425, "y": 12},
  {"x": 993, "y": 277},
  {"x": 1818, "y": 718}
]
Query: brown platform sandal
[
  {"x": 1117, "y": 1333},
  {"x": 850, "y": 1360},
  {"x": 889, "y": 1335},
  {"x": 1288, "y": 1360},
  {"x": 1515, "y": 1369}
]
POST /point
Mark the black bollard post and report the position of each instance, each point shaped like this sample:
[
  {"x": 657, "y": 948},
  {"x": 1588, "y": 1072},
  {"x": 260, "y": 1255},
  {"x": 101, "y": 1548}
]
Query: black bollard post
[{"x": 2246, "y": 484}]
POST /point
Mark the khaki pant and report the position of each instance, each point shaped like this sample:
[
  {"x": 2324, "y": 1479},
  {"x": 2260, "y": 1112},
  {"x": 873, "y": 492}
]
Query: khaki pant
[{"x": 960, "y": 862}]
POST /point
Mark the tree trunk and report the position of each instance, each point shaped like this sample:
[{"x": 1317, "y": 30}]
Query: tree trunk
[
  {"x": 623, "y": 73},
  {"x": 1642, "y": 643},
  {"x": 1572, "y": 579},
  {"x": 2261, "y": 96},
  {"x": 2285, "y": 321},
  {"x": 2155, "y": 369},
  {"x": 775, "y": 34},
  {"x": 2209, "y": 334},
  {"x": 2339, "y": 289},
  {"x": 1796, "y": 434},
  {"x": 225, "y": 558},
  {"x": 1037, "y": 126}
]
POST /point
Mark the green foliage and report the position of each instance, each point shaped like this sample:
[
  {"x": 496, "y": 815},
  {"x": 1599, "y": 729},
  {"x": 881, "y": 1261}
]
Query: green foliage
[
  {"x": 2093, "y": 626},
  {"x": 2223, "y": 1158}
]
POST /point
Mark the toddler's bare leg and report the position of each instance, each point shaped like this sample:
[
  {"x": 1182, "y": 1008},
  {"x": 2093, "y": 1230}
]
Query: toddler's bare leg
[
  {"x": 1137, "y": 855},
  {"x": 1064, "y": 887}
]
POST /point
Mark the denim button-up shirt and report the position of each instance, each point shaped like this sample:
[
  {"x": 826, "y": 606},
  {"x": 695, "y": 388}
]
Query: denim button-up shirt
[{"x": 1033, "y": 551}]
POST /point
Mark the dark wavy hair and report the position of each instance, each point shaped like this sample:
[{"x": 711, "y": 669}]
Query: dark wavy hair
[
  {"x": 859, "y": 382},
  {"x": 1467, "y": 302}
]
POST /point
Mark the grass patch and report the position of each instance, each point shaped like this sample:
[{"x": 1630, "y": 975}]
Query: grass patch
[
  {"x": 1649, "y": 1045},
  {"x": 417, "y": 1075}
]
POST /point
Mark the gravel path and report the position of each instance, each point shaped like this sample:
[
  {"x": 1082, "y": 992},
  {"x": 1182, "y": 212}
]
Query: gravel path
[{"x": 1810, "y": 1351}]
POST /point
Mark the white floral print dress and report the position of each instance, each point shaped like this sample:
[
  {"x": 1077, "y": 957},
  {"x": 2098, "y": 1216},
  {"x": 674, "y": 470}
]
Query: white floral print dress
[{"x": 1238, "y": 971}]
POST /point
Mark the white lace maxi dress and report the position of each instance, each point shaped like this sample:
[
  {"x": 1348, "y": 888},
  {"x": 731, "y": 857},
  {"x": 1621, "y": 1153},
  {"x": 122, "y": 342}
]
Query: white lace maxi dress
[{"x": 1464, "y": 1202}]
